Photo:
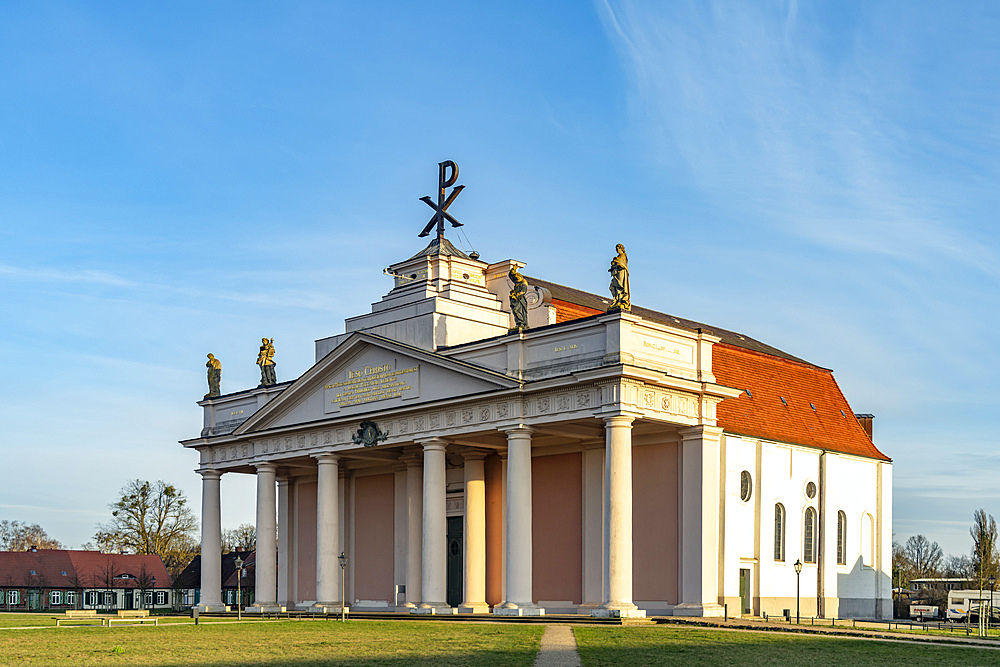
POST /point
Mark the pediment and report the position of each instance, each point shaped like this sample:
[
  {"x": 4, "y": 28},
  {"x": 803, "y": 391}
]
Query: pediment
[{"x": 368, "y": 374}]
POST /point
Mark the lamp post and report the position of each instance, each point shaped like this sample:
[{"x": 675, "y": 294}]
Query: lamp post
[
  {"x": 239, "y": 588},
  {"x": 343, "y": 578},
  {"x": 798, "y": 571}
]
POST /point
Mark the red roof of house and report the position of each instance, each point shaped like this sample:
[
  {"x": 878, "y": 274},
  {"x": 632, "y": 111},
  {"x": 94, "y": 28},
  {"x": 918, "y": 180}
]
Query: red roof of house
[
  {"x": 63, "y": 568},
  {"x": 789, "y": 399},
  {"x": 249, "y": 568}
]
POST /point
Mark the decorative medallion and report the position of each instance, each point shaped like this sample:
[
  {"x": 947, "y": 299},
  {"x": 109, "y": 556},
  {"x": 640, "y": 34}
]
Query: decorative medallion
[{"x": 368, "y": 435}]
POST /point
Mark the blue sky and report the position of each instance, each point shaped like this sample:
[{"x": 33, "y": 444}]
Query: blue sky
[{"x": 186, "y": 178}]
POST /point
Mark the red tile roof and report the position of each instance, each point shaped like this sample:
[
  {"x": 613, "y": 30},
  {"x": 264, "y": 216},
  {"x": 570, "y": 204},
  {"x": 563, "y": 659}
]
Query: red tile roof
[
  {"x": 814, "y": 412},
  {"x": 61, "y": 568}
]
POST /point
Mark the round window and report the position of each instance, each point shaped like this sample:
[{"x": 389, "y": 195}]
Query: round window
[
  {"x": 746, "y": 485},
  {"x": 811, "y": 490}
]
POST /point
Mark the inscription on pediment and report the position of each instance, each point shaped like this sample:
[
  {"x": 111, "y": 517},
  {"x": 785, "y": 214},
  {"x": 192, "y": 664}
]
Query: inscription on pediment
[{"x": 372, "y": 383}]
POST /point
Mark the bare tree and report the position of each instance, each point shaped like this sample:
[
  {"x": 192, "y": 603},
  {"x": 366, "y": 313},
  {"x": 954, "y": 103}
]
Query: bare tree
[
  {"x": 151, "y": 518},
  {"x": 924, "y": 557},
  {"x": 76, "y": 582},
  {"x": 18, "y": 536},
  {"x": 144, "y": 581},
  {"x": 243, "y": 537}
]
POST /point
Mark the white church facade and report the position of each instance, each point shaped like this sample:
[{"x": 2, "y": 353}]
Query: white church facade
[{"x": 621, "y": 463}]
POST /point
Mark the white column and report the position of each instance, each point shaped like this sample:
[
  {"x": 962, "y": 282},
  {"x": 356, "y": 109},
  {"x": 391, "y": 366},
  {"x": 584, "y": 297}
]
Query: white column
[
  {"x": 519, "y": 593},
  {"x": 474, "y": 580},
  {"x": 327, "y": 534},
  {"x": 286, "y": 542},
  {"x": 593, "y": 525},
  {"x": 266, "y": 589},
  {"x": 435, "y": 564},
  {"x": 211, "y": 542},
  {"x": 699, "y": 522},
  {"x": 618, "y": 519},
  {"x": 414, "y": 525}
]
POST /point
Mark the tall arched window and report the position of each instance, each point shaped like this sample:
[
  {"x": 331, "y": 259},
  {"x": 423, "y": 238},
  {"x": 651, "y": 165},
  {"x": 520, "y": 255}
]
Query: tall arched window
[
  {"x": 779, "y": 532},
  {"x": 868, "y": 540},
  {"x": 841, "y": 538},
  {"x": 809, "y": 536}
]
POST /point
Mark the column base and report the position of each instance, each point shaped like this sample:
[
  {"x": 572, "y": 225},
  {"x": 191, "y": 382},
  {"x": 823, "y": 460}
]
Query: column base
[
  {"x": 334, "y": 608},
  {"x": 265, "y": 608},
  {"x": 434, "y": 609},
  {"x": 699, "y": 609},
  {"x": 518, "y": 610},
  {"x": 209, "y": 608},
  {"x": 473, "y": 608},
  {"x": 602, "y": 612}
]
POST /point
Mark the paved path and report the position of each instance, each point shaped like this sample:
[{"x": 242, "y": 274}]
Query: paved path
[{"x": 558, "y": 648}]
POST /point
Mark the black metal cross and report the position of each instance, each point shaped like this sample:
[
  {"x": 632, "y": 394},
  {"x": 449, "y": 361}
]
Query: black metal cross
[{"x": 441, "y": 208}]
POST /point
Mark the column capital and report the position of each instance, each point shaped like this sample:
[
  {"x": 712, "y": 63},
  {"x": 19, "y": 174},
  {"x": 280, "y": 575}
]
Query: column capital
[
  {"x": 326, "y": 457},
  {"x": 519, "y": 430},
  {"x": 209, "y": 473},
  {"x": 700, "y": 433},
  {"x": 433, "y": 444},
  {"x": 413, "y": 457},
  {"x": 472, "y": 453},
  {"x": 266, "y": 467},
  {"x": 618, "y": 417}
]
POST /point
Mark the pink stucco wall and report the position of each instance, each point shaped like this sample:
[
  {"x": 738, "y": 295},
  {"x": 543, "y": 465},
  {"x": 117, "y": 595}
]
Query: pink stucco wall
[
  {"x": 305, "y": 534},
  {"x": 373, "y": 537},
  {"x": 556, "y": 527},
  {"x": 654, "y": 523}
]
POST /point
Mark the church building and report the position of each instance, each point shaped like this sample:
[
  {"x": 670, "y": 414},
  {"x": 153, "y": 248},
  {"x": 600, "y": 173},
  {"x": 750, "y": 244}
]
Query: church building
[{"x": 568, "y": 454}]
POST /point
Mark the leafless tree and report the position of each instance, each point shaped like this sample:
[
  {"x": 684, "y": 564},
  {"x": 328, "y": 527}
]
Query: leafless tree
[
  {"x": 984, "y": 546},
  {"x": 18, "y": 536},
  {"x": 243, "y": 538}
]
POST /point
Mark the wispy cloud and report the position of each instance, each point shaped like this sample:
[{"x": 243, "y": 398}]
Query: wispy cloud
[{"x": 774, "y": 129}]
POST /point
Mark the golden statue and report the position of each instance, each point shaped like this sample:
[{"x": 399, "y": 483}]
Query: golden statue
[
  {"x": 214, "y": 367},
  {"x": 619, "y": 281},
  {"x": 519, "y": 300},
  {"x": 265, "y": 359}
]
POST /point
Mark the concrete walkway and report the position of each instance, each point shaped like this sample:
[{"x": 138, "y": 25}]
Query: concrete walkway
[{"x": 558, "y": 648}]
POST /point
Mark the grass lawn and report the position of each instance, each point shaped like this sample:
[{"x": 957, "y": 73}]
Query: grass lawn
[
  {"x": 14, "y": 620},
  {"x": 306, "y": 643},
  {"x": 665, "y": 645}
]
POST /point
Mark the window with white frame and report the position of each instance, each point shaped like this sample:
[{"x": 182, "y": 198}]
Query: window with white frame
[
  {"x": 161, "y": 597},
  {"x": 109, "y": 598},
  {"x": 149, "y": 597},
  {"x": 70, "y": 597},
  {"x": 92, "y": 598},
  {"x": 809, "y": 536},
  {"x": 779, "y": 531},
  {"x": 13, "y": 597},
  {"x": 55, "y": 597},
  {"x": 841, "y": 538}
]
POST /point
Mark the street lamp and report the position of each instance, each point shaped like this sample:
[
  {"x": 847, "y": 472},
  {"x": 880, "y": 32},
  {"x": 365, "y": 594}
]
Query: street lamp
[
  {"x": 343, "y": 578},
  {"x": 239, "y": 588},
  {"x": 798, "y": 571}
]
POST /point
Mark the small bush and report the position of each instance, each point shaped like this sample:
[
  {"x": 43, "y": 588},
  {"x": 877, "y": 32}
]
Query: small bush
[{"x": 118, "y": 649}]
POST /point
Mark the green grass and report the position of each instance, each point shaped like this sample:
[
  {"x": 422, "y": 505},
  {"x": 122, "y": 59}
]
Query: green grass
[
  {"x": 665, "y": 645},
  {"x": 309, "y": 643},
  {"x": 48, "y": 619}
]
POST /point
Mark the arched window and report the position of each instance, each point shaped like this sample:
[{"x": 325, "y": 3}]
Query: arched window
[
  {"x": 841, "y": 538},
  {"x": 868, "y": 540},
  {"x": 809, "y": 536},
  {"x": 779, "y": 532}
]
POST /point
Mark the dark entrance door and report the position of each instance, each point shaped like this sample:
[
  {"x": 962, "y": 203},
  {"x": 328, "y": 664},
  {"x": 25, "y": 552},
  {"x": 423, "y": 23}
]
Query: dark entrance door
[
  {"x": 745, "y": 590},
  {"x": 455, "y": 560},
  {"x": 129, "y": 598}
]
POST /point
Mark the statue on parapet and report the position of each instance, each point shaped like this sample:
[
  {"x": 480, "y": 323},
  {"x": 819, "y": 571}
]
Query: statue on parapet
[
  {"x": 265, "y": 359},
  {"x": 214, "y": 367},
  {"x": 518, "y": 300},
  {"x": 619, "y": 281}
]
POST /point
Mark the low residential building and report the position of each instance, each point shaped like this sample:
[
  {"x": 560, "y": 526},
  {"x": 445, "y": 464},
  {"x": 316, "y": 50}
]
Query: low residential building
[{"x": 59, "y": 579}]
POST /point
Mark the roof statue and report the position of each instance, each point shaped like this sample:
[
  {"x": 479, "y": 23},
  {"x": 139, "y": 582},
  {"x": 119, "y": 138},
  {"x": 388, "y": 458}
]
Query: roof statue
[
  {"x": 214, "y": 375},
  {"x": 265, "y": 359},
  {"x": 619, "y": 281},
  {"x": 518, "y": 300}
]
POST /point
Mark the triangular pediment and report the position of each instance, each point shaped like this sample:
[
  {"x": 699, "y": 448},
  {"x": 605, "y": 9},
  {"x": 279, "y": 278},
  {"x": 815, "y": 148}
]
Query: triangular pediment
[{"x": 368, "y": 374}]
